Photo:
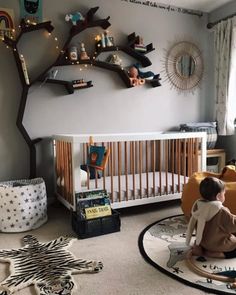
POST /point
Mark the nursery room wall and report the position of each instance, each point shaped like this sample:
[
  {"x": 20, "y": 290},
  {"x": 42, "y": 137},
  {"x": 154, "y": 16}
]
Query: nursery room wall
[{"x": 109, "y": 106}]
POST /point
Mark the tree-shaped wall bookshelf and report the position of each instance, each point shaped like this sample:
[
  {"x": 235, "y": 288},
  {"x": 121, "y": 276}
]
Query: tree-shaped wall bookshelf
[{"x": 62, "y": 60}]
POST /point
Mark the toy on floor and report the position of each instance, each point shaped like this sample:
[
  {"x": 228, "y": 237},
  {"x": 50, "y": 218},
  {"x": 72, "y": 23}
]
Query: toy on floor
[{"x": 222, "y": 276}]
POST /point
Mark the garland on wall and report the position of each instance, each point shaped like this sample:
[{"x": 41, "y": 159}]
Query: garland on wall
[{"x": 166, "y": 7}]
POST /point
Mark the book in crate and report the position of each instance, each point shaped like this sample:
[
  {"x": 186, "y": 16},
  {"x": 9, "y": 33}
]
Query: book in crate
[{"x": 92, "y": 204}]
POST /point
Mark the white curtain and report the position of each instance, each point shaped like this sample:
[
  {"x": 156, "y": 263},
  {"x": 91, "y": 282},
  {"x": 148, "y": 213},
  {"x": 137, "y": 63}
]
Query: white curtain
[{"x": 225, "y": 75}]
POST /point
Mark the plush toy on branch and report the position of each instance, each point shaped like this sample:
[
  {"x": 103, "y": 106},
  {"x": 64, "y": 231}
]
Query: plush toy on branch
[
  {"x": 115, "y": 60},
  {"x": 134, "y": 77},
  {"x": 74, "y": 18},
  {"x": 97, "y": 156}
]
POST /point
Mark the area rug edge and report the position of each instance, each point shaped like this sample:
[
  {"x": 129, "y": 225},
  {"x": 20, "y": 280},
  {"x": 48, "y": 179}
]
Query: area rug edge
[{"x": 150, "y": 261}]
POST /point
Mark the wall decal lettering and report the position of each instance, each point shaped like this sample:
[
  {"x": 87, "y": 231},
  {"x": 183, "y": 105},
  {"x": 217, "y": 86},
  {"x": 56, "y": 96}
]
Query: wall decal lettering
[{"x": 166, "y": 7}]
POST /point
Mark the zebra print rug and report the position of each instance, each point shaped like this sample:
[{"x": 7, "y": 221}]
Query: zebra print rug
[
  {"x": 162, "y": 244},
  {"x": 48, "y": 266}
]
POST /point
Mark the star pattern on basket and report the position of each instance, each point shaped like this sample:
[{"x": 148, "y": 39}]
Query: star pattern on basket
[{"x": 23, "y": 204}]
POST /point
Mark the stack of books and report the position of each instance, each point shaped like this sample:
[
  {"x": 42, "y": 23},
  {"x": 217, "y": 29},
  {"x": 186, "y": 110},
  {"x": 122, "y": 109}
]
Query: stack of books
[
  {"x": 93, "y": 204},
  {"x": 140, "y": 47},
  {"x": 81, "y": 83}
]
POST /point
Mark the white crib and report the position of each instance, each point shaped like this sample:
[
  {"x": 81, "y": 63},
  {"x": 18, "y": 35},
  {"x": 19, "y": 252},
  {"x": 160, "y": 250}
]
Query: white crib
[{"x": 142, "y": 167}]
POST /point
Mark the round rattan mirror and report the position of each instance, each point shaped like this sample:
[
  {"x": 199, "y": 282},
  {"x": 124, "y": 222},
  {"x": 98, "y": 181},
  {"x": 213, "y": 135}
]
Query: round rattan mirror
[{"x": 184, "y": 66}]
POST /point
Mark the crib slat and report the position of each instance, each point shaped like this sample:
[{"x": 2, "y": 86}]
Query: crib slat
[
  {"x": 66, "y": 171},
  {"x": 114, "y": 159},
  {"x": 140, "y": 167},
  {"x": 196, "y": 154},
  {"x": 126, "y": 172},
  {"x": 104, "y": 171},
  {"x": 154, "y": 166},
  {"x": 86, "y": 149},
  {"x": 58, "y": 166},
  {"x": 184, "y": 160},
  {"x": 132, "y": 157},
  {"x": 189, "y": 156},
  {"x": 147, "y": 178},
  {"x": 61, "y": 166},
  {"x": 63, "y": 169},
  {"x": 70, "y": 174},
  {"x": 172, "y": 164},
  {"x": 111, "y": 156},
  {"x": 178, "y": 162},
  {"x": 160, "y": 168},
  {"x": 166, "y": 163},
  {"x": 119, "y": 169},
  {"x": 84, "y": 159},
  {"x": 136, "y": 157}
]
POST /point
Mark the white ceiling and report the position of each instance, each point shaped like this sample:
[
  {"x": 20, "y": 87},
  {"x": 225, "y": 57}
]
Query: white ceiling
[{"x": 202, "y": 5}]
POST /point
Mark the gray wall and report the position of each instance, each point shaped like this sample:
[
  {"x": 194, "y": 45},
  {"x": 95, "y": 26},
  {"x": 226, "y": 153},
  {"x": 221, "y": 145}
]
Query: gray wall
[
  {"x": 223, "y": 11},
  {"x": 108, "y": 106}
]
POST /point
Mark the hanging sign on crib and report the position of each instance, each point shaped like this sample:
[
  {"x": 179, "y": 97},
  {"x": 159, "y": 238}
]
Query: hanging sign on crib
[{"x": 97, "y": 156}]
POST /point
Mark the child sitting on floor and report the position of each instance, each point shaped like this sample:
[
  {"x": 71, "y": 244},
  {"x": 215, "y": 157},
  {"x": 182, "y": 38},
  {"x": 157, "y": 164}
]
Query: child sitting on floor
[{"x": 215, "y": 225}]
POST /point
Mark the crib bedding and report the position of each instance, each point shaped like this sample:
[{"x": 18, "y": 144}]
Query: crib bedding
[{"x": 139, "y": 185}]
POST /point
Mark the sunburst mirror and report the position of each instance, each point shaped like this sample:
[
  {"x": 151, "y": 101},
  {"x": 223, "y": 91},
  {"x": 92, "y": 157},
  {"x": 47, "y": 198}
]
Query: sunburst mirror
[{"x": 184, "y": 66}]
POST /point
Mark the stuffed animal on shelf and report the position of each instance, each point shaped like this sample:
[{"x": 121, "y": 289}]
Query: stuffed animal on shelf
[
  {"x": 134, "y": 78},
  {"x": 74, "y": 18},
  {"x": 115, "y": 60},
  {"x": 146, "y": 75}
]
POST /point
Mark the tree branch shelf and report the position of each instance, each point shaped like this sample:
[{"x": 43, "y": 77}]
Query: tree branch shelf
[{"x": 62, "y": 60}]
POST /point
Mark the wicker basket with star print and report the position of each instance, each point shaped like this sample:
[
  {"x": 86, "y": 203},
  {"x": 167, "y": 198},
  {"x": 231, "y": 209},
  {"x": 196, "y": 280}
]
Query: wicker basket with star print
[{"x": 23, "y": 205}]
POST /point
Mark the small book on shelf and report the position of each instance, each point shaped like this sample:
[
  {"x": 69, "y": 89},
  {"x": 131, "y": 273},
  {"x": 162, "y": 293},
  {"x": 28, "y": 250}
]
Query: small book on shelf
[{"x": 141, "y": 48}]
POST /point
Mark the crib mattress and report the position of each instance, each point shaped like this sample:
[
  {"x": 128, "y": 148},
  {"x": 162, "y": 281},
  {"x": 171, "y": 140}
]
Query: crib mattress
[{"x": 139, "y": 185}]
